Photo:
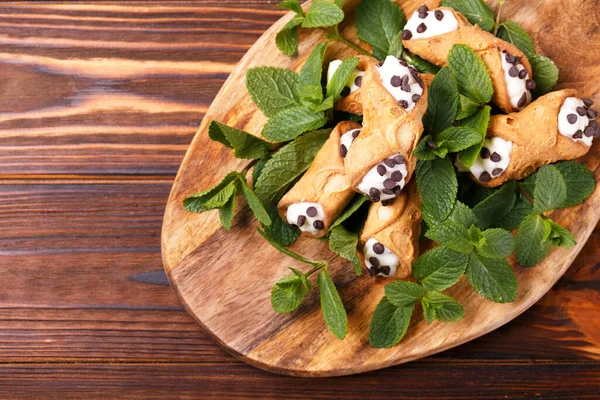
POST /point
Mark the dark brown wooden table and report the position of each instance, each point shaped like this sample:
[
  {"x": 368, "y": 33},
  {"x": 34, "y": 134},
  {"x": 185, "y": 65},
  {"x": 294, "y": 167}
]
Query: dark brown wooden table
[{"x": 98, "y": 102}]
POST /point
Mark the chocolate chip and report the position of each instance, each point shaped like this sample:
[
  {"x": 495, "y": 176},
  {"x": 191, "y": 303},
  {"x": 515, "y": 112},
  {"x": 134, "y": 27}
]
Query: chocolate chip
[
  {"x": 387, "y": 191},
  {"x": 374, "y": 192},
  {"x": 431, "y": 145},
  {"x": 597, "y": 132},
  {"x": 343, "y": 150},
  {"x": 387, "y": 202},
  {"x": 385, "y": 270},
  {"x": 370, "y": 271},
  {"x": 301, "y": 220},
  {"x": 523, "y": 73},
  {"x": 318, "y": 224},
  {"x": 396, "y": 176},
  {"x": 355, "y": 133},
  {"x": 495, "y": 157},
  {"x": 572, "y": 118},
  {"x": 381, "y": 169},
  {"x": 378, "y": 248},
  {"x": 405, "y": 86},
  {"x": 415, "y": 98},
  {"x": 375, "y": 199},
  {"x": 513, "y": 71},
  {"x": 484, "y": 153},
  {"x": 423, "y": 15},
  {"x": 439, "y": 15},
  {"x": 530, "y": 84},
  {"x": 345, "y": 91},
  {"x": 403, "y": 103},
  {"x": 399, "y": 159},
  {"x": 396, "y": 81},
  {"x": 522, "y": 101},
  {"x": 403, "y": 62},
  {"x": 397, "y": 190},
  {"x": 375, "y": 270},
  {"x": 421, "y": 28},
  {"x": 389, "y": 184},
  {"x": 389, "y": 162},
  {"x": 485, "y": 177},
  {"x": 593, "y": 123},
  {"x": 579, "y": 135},
  {"x": 311, "y": 211},
  {"x": 358, "y": 81},
  {"x": 587, "y": 101},
  {"x": 381, "y": 63},
  {"x": 423, "y": 8},
  {"x": 509, "y": 58},
  {"x": 581, "y": 111},
  {"x": 497, "y": 171},
  {"x": 517, "y": 60},
  {"x": 406, "y": 34},
  {"x": 374, "y": 261},
  {"x": 591, "y": 114}
]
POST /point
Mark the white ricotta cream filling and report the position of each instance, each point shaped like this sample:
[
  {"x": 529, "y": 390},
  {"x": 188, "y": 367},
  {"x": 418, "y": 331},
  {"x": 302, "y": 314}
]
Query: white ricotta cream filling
[
  {"x": 379, "y": 259},
  {"x": 493, "y": 159},
  {"x": 515, "y": 81},
  {"x": 307, "y": 216},
  {"x": 402, "y": 81},
  {"x": 384, "y": 181},
  {"x": 436, "y": 22},
  {"x": 572, "y": 124}
]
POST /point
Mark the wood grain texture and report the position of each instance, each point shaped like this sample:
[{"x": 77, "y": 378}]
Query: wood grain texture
[
  {"x": 78, "y": 320},
  {"x": 233, "y": 305}
]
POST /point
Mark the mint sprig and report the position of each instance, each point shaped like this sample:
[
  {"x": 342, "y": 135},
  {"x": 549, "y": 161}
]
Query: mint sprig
[
  {"x": 389, "y": 324},
  {"x": 514, "y": 33},
  {"x": 436, "y": 180},
  {"x": 478, "y": 121},
  {"x": 440, "y": 268},
  {"x": 272, "y": 89},
  {"x": 438, "y": 306},
  {"x": 245, "y": 145},
  {"x": 443, "y": 102},
  {"x": 476, "y": 12},
  {"x": 323, "y": 13},
  {"x": 332, "y": 306},
  {"x": 470, "y": 73},
  {"x": 344, "y": 243},
  {"x": 289, "y": 292},
  {"x": 379, "y": 23}
]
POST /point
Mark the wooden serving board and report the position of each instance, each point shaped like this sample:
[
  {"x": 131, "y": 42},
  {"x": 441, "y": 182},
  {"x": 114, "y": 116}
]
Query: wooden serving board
[{"x": 224, "y": 278}]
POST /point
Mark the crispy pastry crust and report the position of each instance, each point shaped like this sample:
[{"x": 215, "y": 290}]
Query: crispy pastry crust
[
  {"x": 399, "y": 230},
  {"x": 387, "y": 128},
  {"x": 324, "y": 182},
  {"x": 535, "y": 137},
  {"x": 435, "y": 49}
]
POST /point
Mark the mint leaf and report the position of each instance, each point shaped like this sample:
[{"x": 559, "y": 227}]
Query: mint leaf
[
  {"x": 579, "y": 181},
  {"x": 389, "y": 324},
  {"x": 521, "y": 209},
  {"x": 396, "y": 47},
  {"x": 439, "y": 268},
  {"x": 258, "y": 168},
  {"x": 344, "y": 243},
  {"x": 423, "y": 66},
  {"x": 560, "y": 236},
  {"x": 244, "y": 144},
  {"x": 272, "y": 89},
  {"x": 287, "y": 251},
  {"x": 441, "y": 307},
  {"x": 289, "y": 292},
  {"x": 310, "y": 75},
  {"x": 331, "y": 306},
  {"x": 476, "y": 12},
  {"x": 226, "y": 213},
  {"x": 378, "y": 22},
  {"x": 467, "y": 107},
  {"x": 478, "y": 121},
  {"x": 287, "y": 38},
  {"x": 443, "y": 102},
  {"x": 496, "y": 206},
  {"x": 427, "y": 149},
  {"x": 339, "y": 3},
  {"x": 436, "y": 180},
  {"x": 288, "y": 164},
  {"x": 514, "y": 33},
  {"x": 255, "y": 204},
  {"x": 340, "y": 77},
  {"x": 212, "y": 198},
  {"x": 292, "y": 5},
  {"x": 550, "y": 189},
  {"x": 403, "y": 294},
  {"x": 323, "y": 13},
  {"x": 451, "y": 235},
  {"x": 471, "y": 75},
  {"x": 498, "y": 244},
  {"x": 545, "y": 73},
  {"x": 350, "y": 209},
  {"x": 280, "y": 231},
  {"x": 462, "y": 215},
  {"x": 492, "y": 279},
  {"x": 458, "y": 138},
  {"x": 531, "y": 246},
  {"x": 291, "y": 122}
]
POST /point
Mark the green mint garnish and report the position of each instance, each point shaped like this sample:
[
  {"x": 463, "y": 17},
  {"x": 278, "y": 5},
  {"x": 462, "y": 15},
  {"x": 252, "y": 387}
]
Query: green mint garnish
[
  {"x": 550, "y": 189},
  {"x": 441, "y": 307},
  {"x": 244, "y": 144},
  {"x": 471, "y": 74},
  {"x": 436, "y": 180},
  {"x": 289, "y": 292},
  {"x": 323, "y": 13},
  {"x": 492, "y": 279},
  {"x": 545, "y": 73},
  {"x": 478, "y": 121},
  {"x": 379, "y": 23},
  {"x": 331, "y": 306},
  {"x": 476, "y": 12},
  {"x": 440, "y": 268},
  {"x": 514, "y": 33},
  {"x": 344, "y": 243},
  {"x": 443, "y": 102},
  {"x": 496, "y": 206},
  {"x": 286, "y": 39},
  {"x": 389, "y": 324},
  {"x": 272, "y": 89}
]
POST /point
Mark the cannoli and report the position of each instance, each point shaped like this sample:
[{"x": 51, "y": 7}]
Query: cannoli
[
  {"x": 316, "y": 200},
  {"x": 350, "y": 100},
  {"x": 431, "y": 35},
  {"x": 381, "y": 160},
  {"x": 557, "y": 126},
  {"x": 389, "y": 241}
]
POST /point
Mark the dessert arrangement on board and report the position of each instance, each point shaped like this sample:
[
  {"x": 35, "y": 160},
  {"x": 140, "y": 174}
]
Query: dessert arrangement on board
[{"x": 442, "y": 130}]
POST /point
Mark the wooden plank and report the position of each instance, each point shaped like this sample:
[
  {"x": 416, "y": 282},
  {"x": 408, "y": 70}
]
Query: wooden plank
[
  {"x": 114, "y": 89},
  {"x": 424, "y": 380}
]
